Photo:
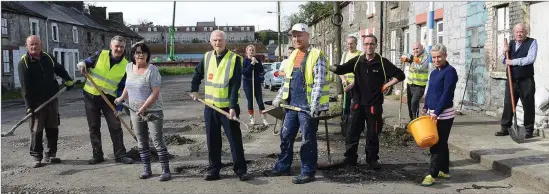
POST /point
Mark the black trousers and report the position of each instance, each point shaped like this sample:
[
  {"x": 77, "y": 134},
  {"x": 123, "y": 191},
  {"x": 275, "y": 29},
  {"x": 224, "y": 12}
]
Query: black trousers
[
  {"x": 440, "y": 154},
  {"x": 374, "y": 121},
  {"x": 214, "y": 121},
  {"x": 524, "y": 89},
  {"x": 95, "y": 105},
  {"x": 414, "y": 94},
  {"x": 47, "y": 119}
]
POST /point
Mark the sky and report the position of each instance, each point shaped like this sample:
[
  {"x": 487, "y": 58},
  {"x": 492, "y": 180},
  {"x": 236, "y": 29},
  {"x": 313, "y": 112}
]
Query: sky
[{"x": 188, "y": 13}]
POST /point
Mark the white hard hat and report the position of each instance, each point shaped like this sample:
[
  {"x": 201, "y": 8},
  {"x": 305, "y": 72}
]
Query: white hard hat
[{"x": 299, "y": 27}]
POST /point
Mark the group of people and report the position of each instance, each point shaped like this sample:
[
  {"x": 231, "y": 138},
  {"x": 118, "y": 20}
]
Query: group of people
[{"x": 306, "y": 86}]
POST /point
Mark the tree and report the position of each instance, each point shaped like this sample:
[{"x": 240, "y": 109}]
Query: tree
[
  {"x": 310, "y": 12},
  {"x": 144, "y": 22},
  {"x": 196, "y": 40}
]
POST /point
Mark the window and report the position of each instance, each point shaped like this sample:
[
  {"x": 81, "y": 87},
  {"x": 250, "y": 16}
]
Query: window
[
  {"x": 371, "y": 8},
  {"x": 406, "y": 42},
  {"x": 149, "y": 29},
  {"x": 440, "y": 31},
  {"x": 351, "y": 12},
  {"x": 175, "y": 29},
  {"x": 74, "y": 34},
  {"x": 54, "y": 32},
  {"x": 423, "y": 35},
  {"x": 192, "y": 29},
  {"x": 502, "y": 15},
  {"x": 34, "y": 26},
  {"x": 247, "y": 28},
  {"x": 241, "y": 28},
  {"x": 205, "y": 28},
  {"x": 4, "y": 27},
  {"x": 224, "y": 28},
  {"x": 6, "y": 61},
  {"x": 137, "y": 29},
  {"x": 103, "y": 38},
  {"x": 76, "y": 59},
  {"x": 154, "y": 29},
  {"x": 230, "y": 28},
  {"x": 187, "y": 29},
  {"x": 211, "y": 29},
  {"x": 89, "y": 37}
]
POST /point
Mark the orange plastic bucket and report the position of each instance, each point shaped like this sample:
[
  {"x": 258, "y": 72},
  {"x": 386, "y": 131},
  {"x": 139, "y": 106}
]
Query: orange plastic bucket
[{"x": 424, "y": 131}]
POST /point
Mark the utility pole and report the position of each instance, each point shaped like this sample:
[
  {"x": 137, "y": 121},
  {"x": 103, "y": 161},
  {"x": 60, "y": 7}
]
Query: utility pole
[
  {"x": 338, "y": 51},
  {"x": 279, "y": 37},
  {"x": 172, "y": 34}
]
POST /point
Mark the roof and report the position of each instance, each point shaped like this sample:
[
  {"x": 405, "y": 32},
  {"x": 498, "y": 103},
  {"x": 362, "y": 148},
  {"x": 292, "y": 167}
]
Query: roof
[
  {"x": 160, "y": 28},
  {"x": 67, "y": 15},
  {"x": 204, "y": 47},
  {"x": 201, "y": 24},
  {"x": 15, "y": 7}
]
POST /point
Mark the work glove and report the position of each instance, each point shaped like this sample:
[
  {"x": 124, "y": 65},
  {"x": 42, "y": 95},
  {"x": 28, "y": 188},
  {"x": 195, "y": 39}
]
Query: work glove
[
  {"x": 29, "y": 111},
  {"x": 404, "y": 58},
  {"x": 276, "y": 102},
  {"x": 81, "y": 66},
  {"x": 254, "y": 61},
  {"x": 313, "y": 111},
  {"x": 194, "y": 95},
  {"x": 69, "y": 84}
]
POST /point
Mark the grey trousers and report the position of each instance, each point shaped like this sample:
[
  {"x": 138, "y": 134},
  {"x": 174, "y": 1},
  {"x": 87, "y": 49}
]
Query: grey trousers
[{"x": 143, "y": 128}]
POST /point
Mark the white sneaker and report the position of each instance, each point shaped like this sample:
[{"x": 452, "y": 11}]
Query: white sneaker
[
  {"x": 264, "y": 120},
  {"x": 252, "y": 120}
]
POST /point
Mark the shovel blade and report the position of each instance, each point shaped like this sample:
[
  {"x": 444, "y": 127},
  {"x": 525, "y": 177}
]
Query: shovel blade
[{"x": 518, "y": 134}]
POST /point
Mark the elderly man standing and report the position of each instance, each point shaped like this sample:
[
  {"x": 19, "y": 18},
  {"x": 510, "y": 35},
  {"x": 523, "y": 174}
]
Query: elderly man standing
[
  {"x": 372, "y": 73},
  {"x": 522, "y": 52},
  {"x": 108, "y": 69},
  {"x": 305, "y": 86},
  {"x": 418, "y": 75},
  {"x": 37, "y": 72},
  {"x": 222, "y": 70}
]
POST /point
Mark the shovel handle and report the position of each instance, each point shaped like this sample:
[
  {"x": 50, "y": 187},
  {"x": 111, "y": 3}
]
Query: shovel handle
[
  {"x": 511, "y": 91},
  {"x": 222, "y": 112},
  {"x": 110, "y": 105}
]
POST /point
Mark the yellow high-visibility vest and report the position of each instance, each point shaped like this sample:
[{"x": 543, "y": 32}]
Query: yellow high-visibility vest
[
  {"x": 312, "y": 58},
  {"x": 418, "y": 76},
  {"x": 106, "y": 78},
  {"x": 217, "y": 78},
  {"x": 350, "y": 77}
]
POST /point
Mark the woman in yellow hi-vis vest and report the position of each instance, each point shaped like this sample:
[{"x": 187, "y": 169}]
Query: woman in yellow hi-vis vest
[
  {"x": 107, "y": 68},
  {"x": 222, "y": 70},
  {"x": 305, "y": 86}
]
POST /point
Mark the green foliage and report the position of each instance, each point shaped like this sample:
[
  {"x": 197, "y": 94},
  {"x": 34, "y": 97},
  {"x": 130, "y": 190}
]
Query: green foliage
[
  {"x": 167, "y": 71},
  {"x": 196, "y": 40},
  {"x": 311, "y": 12}
]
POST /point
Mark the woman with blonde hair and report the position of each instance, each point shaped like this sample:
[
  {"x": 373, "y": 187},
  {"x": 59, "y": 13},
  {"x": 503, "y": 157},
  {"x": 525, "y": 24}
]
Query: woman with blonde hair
[{"x": 253, "y": 67}]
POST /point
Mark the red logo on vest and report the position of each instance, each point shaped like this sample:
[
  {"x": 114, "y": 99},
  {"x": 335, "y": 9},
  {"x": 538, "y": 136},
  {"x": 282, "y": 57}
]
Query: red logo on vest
[{"x": 210, "y": 76}]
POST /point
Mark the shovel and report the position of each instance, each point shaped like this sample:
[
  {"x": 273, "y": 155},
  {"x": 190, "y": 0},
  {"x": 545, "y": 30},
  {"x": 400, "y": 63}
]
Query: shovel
[
  {"x": 10, "y": 132},
  {"x": 110, "y": 106},
  {"x": 147, "y": 117},
  {"x": 399, "y": 125},
  {"x": 517, "y": 133},
  {"x": 224, "y": 113}
]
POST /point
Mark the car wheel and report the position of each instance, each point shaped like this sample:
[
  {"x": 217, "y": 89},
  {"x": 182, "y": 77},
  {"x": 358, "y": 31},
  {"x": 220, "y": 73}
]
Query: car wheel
[
  {"x": 264, "y": 85},
  {"x": 272, "y": 88}
]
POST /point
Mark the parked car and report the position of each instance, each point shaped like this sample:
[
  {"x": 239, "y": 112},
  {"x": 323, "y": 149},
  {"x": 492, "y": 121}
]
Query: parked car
[
  {"x": 273, "y": 79},
  {"x": 266, "y": 68}
]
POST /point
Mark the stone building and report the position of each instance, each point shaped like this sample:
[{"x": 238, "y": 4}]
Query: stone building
[{"x": 67, "y": 32}]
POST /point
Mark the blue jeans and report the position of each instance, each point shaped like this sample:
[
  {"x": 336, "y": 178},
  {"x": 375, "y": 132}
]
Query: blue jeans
[{"x": 247, "y": 86}]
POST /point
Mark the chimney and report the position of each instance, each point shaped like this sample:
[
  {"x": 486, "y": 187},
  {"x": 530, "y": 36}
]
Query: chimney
[
  {"x": 78, "y": 5},
  {"x": 116, "y": 17},
  {"x": 98, "y": 11}
]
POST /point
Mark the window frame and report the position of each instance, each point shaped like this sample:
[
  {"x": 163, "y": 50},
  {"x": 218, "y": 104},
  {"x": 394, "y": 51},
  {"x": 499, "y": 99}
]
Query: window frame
[
  {"x": 351, "y": 10},
  {"x": 74, "y": 34},
  {"x": 37, "y": 22},
  {"x": 440, "y": 33},
  {"x": 5, "y": 27},
  {"x": 6, "y": 65},
  {"x": 406, "y": 38},
  {"x": 504, "y": 30},
  {"x": 54, "y": 32}
]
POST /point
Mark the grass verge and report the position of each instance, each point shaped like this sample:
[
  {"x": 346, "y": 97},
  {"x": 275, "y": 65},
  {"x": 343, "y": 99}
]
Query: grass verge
[{"x": 167, "y": 71}]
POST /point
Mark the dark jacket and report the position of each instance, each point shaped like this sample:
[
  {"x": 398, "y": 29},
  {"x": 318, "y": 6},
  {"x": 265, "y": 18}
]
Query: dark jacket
[
  {"x": 369, "y": 78},
  {"x": 234, "y": 82},
  {"x": 37, "y": 77},
  {"x": 247, "y": 70},
  {"x": 442, "y": 86}
]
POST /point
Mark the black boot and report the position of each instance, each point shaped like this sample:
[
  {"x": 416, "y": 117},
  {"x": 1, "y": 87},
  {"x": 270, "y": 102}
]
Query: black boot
[
  {"x": 503, "y": 132},
  {"x": 145, "y": 156}
]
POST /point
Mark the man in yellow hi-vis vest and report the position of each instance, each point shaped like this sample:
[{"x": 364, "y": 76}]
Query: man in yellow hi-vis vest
[
  {"x": 418, "y": 74},
  {"x": 108, "y": 69},
  {"x": 348, "y": 80},
  {"x": 222, "y": 70},
  {"x": 305, "y": 86}
]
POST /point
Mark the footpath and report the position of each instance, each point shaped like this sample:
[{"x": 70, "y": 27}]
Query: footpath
[{"x": 472, "y": 135}]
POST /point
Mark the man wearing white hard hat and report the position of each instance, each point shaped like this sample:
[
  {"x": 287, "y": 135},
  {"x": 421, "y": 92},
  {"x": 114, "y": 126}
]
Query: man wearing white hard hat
[{"x": 305, "y": 86}]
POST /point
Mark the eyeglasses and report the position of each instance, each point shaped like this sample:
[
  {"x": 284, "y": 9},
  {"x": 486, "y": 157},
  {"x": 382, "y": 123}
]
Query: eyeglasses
[{"x": 140, "y": 53}]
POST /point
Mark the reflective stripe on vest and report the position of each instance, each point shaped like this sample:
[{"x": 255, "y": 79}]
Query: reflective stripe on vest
[
  {"x": 217, "y": 78},
  {"x": 25, "y": 59},
  {"x": 312, "y": 58},
  {"x": 420, "y": 77},
  {"x": 350, "y": 77},
  {"x": 106, "y": 78}
]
